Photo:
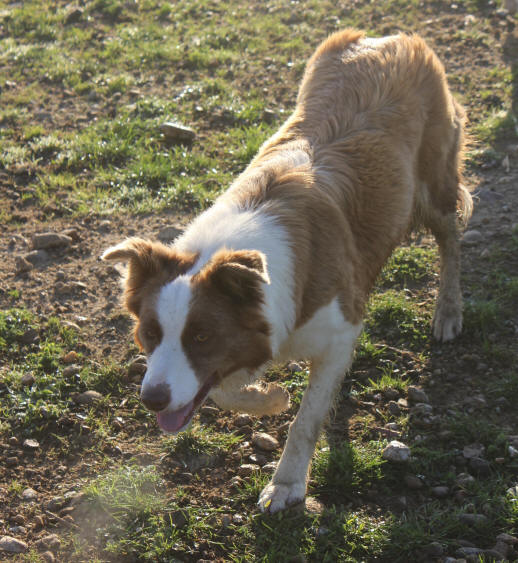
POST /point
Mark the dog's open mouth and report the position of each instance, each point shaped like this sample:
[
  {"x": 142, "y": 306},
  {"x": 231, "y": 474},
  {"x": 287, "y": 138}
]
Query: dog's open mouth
[{"x": 175, "y": 421}]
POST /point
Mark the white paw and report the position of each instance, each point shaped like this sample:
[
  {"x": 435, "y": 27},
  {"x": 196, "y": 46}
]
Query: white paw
[
  {"x": 279, "y": 497},
  {"x": 447, "y": 323}
]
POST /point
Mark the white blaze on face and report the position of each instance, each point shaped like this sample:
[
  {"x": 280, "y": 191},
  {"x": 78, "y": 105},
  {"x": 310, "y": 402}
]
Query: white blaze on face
[{"x": 168, "y": 363}]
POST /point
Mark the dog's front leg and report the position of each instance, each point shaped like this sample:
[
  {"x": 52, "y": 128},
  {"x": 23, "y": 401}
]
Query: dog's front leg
[{"x": 288, "y": 485}]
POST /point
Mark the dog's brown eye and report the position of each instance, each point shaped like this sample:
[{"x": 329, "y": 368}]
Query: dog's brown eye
[{"x": 201, "y": 337}]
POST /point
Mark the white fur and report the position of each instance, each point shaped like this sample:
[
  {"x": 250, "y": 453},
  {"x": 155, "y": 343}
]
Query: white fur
[
  {"x": 328, "y": 339},
  {"x": 228, "y": 226},
  {"x": 168, "y": 362}
]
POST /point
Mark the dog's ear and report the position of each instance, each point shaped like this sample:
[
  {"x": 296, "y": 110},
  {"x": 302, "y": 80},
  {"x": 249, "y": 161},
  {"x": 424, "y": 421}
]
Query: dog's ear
[
  {"x": 238, "y": 274},
  {"x": 148, "y": 262}
]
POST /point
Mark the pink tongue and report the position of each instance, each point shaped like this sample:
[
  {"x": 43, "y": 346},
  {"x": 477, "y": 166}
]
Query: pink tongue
[{"x": 172, "y": 421}]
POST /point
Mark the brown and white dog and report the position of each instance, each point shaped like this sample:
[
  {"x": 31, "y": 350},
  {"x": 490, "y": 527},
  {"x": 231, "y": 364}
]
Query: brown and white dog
[{"x": 282, "y": 264}]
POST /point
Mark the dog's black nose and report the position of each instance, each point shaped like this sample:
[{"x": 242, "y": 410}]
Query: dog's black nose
[{"x": 156, "y": 398}]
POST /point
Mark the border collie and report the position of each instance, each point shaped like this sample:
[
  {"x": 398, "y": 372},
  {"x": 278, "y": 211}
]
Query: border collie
[{"x": 281, "y": 266}]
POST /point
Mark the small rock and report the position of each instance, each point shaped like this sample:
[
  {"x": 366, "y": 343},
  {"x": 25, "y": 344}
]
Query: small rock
[
  {"x": 238, "y": 519},
  {"x": 433, "y": 551},
  {"x": 29, "y": 494},
  {"x": 226, "y": 520},
  {"x": 473, "y": 519},
  {"x": 511, "y": 6},
  {"x": 269, "y": 468},
  {"x": 39, "y": 522},
  {"x": 413, "y": 482},
  {"x": 179, "y": 518},
  {"x": 169, "y": 233},
  {"x": 247, "y": 469},
  {"x": 137, "y": 368},
  {"x": 507, "y": 538},
  {"x": 48, "y": 557},
  {"x": 235, "y": 481},
  {"x": 394, "y": 409},
  {"x": 473, "y": 450},
  {"x": 72, "y": 370},
  {"x": 88, "y": 398},
  {"x": 71, "y": 357},
  {"x": 22, "y": 265},
  {"x": 464, "y": 479},
  {"x": 402, "y": 403},
  {"x": 13, "y": 441},
  {"x": 12, "y": 545},
  {"x": 105, "y": 226},
  {"x": 72, "y": 233},
  {"x": 18, "y": 530},
  {"x": 391, "y": 394},
  {"x": 417, "y": 395},
  {"x": 313, "y": 505},
  {"x": 176, "y": 133},
  {"x": 243, "y": 420},
  {"x": 50, "y": 240},
  {"x": 56, "y": 503},
  {"x": 512, "y": 451},
  {"x": 264, "y": 441},
  {"x": 37, "y": 257},
  {"x": 30, "y": 336},
  {"x": 440, "y": 491},
  {"x": 421, "y": 409},
  {"x": 50, "y": 541},
  {"x": 294, "y": 367},
  {"x": 73, "y": 15},
  {"x": 11, "y": 461},
  {"x": 396, "y": 452},
  {"x": 31, "y": 444},
  {"x": 27, "y": 379},
  {"x": 480, "y": 466},
  {"x": 472, "y": 238},
  {"x": 468, "y": 551},
  {"x": 259, "y": 459}
]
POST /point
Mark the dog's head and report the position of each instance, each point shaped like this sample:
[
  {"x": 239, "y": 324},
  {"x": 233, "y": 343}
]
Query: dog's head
[{"x": 197, "y": 325}]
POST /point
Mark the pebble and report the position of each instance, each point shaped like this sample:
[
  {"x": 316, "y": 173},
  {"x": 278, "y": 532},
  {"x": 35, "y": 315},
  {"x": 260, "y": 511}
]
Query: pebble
[
  {"x": 50, "y": 541},
  {"x": 413, "y": 482},
  {"x": 269, "y": 468},
  {"x": 87, "y": 398},
  {"x": 391, "y": 394},
  {"x": 37, "y": 257},
  {"x": 480, "y": 466},
  {"x": 417, "y": 395},
  {"x": 56, "y": 503},
  {"x": 472, "y": 238},
  {"x": 512, "y": 451},
  {"x": 473, "y": 450},
  {"x": 175, "y": 132},
  {"x": 48, "y": 556},
  {"x": 236, "y": 481},
  {"x": 396, "y": 452},
  {"x": 12, "y": 545},
  {"x": 27, "y": 379},
  {"x": 441, "y": 491},
  {"x": 472, "y": 519},
  {"x": 71, "y": 357},
  {"x": 31, "y": 444},
  {"x": 73, "y": 15},
  {"x": 242, "y": 420},
  {"x": 22, "y": 265},
  {"x": 468, "y": 551},
  {"x": 169, "y": 233},
  {"x": 11, "y": 461},
  {"x": 72, "y": 370},
  {"x": 179, "y": 518},
  {"x": 394, "y": 409},
  {"x": 264, "y": 441},
  {"x": 29, "y": 494},
  {"x": 433, "y": 550},
  {"x": 50, "y": 240},
  {"x": 294, "y": 367},
  {"x": 464, "y": 479},
  {"x": 137, "y": 368},
  {"x": 247, "y": 469},
  {"x": 259, "y": 459},
  {"x": 18, "y": 530}
]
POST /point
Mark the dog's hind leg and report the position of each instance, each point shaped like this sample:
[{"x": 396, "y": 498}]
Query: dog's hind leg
[
  {"x": 444, "y": 203},
  {"x": 288, "y": 485}
]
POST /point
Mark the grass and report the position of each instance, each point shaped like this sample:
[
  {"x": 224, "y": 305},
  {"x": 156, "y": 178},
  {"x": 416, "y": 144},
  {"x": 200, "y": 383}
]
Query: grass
[{"x": 82, "y": 103}]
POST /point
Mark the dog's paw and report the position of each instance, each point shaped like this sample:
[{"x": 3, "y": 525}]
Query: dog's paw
[
  {"x": 447, "y": 323},
  {"x": 279, "y": 497}
]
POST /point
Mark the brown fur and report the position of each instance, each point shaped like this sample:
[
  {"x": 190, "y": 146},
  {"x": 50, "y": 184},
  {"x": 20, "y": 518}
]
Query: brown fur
[
  {"x": 225, "y": 311},
  {"x": 382, "y": 137}
]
